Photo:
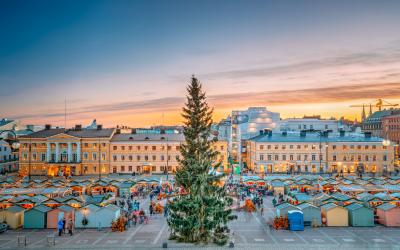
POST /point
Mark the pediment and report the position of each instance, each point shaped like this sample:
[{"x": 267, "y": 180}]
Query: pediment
[{"x": 62, "y": 136}]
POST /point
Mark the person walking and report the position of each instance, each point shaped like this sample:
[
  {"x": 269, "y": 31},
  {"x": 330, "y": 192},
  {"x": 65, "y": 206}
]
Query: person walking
[
  {"x": 70, "y": 226},
  {"x": 64, "y": 224},
  {"x": 60, "y": 226}
]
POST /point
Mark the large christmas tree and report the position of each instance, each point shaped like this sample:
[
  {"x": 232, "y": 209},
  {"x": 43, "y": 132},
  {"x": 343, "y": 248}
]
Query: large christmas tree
[{"x": 201, "y": 212}]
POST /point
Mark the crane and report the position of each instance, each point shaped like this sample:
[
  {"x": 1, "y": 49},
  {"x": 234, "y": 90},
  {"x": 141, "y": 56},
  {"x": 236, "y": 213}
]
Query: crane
[
  {"x": 382, "y": 103},
  {"x": 379, "y": 103}
]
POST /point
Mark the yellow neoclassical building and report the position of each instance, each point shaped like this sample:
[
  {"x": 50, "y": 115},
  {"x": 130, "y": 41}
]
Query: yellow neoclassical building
[
  {"x": 153, "y": 153},
  {"x": 57, "y": 152},
  {"x": 309, "y": 152}
]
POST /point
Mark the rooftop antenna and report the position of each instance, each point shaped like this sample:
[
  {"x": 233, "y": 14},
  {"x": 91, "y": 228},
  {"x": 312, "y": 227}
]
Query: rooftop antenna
[{"x": 65, "y": 114}]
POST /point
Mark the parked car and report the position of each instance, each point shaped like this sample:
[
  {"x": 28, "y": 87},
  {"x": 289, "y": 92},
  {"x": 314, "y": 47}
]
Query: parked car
[{"x": 3, "y": 227}]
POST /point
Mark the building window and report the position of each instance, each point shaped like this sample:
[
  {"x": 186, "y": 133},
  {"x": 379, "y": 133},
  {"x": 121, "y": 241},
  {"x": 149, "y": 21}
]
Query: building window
[
  {"x": 130, "y": 147},
  {"x": 261, "y": 157},
  {"x": 291, "y": 156},
  {"x": 305, "y": 157},
  {"x": 94, "y": 156},
  {"x": 291, "y": 146},
  {"x": 298, "y": 146},
  {"x": 276, "y": 157},
  {"x": 130, "y": 158},
  {"x": 373, "y": 146},
  {"x": 177, "y": 157},
  {"x": 115, "y": 147},
  {"x": 43, "y": 156},
  {"x": 162, "y": 157},
  {"x": 122, "y": 147},
  {"x": 334, "y": 157},
  {"x": 276, "y": 147},
  {"x": 261, "y": 147},
  {"x": 138, "y": 147},
  {"x": 85, "y": 156},
  {"x": 177, "y": 147},
  {"x": 299, "y": 157},
  {"x": 154, "y": 148},
  {"x": 313, "y": 157},
  {"x": 154, "y": 158},
  {"x": 358, "y": 146},
  {"x": 366, "y": 158},
  {"x": 270, "y": 157},
  {"x": 374, "y": 158},
  {"x": 283, "y": 157},
  {"x": 138, "y": 157},
  {"x": 103, "y": 156},
  {"x": 344, "y": 147},
  {"x": 122, "y": 157},
  {"x": 334, "y": 146},
  {"x": 162, "y": 168},
  {"x": 153, "y": 168},
  {"x": 146, "y": 158},
  {"x": 385, "y": 157},
  {"x": 269, "y": 147},
  {"x": 146, "y": 147},
  {"x": 283, "y": 147},
  {"x": 122, "y": 168}
]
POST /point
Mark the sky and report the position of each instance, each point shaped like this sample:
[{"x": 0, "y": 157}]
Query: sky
[{"x": 128, "y": 62}]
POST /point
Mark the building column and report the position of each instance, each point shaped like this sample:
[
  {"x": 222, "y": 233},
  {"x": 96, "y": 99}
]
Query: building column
[
  {"x": 69, "y": 152},
  {"x": 78, "y": 151},
  {"x": 48, "y": 153},
  {"x": 57, "y": 151}
]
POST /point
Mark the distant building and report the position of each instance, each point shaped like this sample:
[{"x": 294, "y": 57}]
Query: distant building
[
  {"x": 373, "y": 123},
  {"x": 244, "y": 124},
  {"x": 308, "y": 152},
  {"x": 312, "y": 123},
  {"x": 391, "y": 128},
  {"x": 14, "y": 128}
]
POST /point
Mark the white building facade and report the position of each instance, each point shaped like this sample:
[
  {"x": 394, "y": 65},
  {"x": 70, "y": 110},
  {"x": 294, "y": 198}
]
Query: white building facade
[
  {"x": 299, "y": 124},
  {"x": 242, "y": 125},
  {"x": 8, "y": 158}
]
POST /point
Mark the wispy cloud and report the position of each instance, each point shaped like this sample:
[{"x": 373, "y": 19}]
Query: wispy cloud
[{"x": 312, "y": 95}]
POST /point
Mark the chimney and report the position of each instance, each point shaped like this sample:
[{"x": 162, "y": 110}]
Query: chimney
[
  {"x": 367, "y": 134},
  {"x": 284, "y": 133},
  {"x": 133, "y": 131},
  {"x": 261, "y": 132},
  {"x": 118, "y": 131},
  {"x": 99, "y": 127},
  {"x": 47, "y": 127},
  {"x": 303, "y": 133},
  {"x": 78, "y": 127},
  {"x": 342, "y": 133}
]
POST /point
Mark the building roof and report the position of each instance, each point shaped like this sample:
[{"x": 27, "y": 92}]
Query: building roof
[
  {"x": 306, "y": 205},
  {"x": 313, "y": 137},
  {"x": 83, "y": 133},
  {"x": 15, "y": 209},
  {"x": 42, "y": 208},
  {"x": 148, "y": 137},
  {"x": 354, "y": 206},
  {"x": 386, "y": 206},
  {"x": 329, "y": 206}
]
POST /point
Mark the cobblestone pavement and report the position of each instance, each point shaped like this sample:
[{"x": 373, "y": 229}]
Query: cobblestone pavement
[{"x": 251, "y": 231}]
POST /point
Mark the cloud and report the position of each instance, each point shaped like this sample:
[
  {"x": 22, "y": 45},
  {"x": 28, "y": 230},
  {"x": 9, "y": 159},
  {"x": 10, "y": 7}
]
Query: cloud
[
  {"x": 283, "y": 97},
  {"x": 380, "y": 56}
]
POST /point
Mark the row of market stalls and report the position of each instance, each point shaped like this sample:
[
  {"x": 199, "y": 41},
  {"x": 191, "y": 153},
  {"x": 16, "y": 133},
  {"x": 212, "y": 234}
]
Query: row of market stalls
[
  {"x": 62, "y": 187},
  {"x": 354, "y": 214},
  {"x": 41, "y": 216},
  {"x": 40, "y": 203}
]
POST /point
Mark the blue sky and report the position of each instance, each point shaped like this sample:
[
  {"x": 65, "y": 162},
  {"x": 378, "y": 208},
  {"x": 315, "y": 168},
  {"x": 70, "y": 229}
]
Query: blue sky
[{"x": 127, "y": 62}]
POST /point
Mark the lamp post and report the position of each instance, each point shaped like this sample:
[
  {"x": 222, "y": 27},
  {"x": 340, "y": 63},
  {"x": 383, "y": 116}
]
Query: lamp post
[{"x": 99, "y": 160}]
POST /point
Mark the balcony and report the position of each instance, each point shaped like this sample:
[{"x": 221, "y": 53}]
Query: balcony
[{"x": 64, "y": 162}]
